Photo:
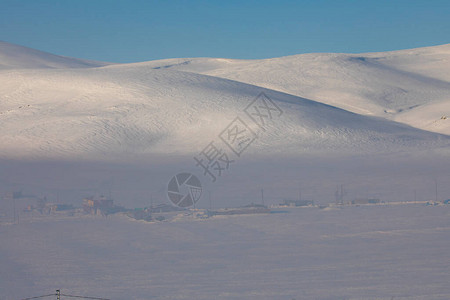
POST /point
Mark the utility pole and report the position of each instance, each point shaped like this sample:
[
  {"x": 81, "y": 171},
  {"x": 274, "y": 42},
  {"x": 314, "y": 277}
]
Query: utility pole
[
  {"x": 339, "y": 195},
  {"x": 436, "y": 188},
  {"x": 435, "y": 181},
  {"x": 151, "y": 201},
  {"x": 210, "y": 200},
  {"x": 262, "y": 196},
  {"x": 299, "y": 193},
  {"x": 14, "y": 208}
]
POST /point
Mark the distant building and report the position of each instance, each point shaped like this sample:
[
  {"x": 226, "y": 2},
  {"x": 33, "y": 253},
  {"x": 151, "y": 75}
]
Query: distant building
[
  {"x": 366, "y": 201},
  {"x": 13, "y": 195},
  {"x": 100, "y": 206},
  {"x": 19, "y": 202},
  {"x": 60, "y": 207}
]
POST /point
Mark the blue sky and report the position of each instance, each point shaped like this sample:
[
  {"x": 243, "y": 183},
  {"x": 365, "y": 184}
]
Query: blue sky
[{"x": 130, "y": 31}]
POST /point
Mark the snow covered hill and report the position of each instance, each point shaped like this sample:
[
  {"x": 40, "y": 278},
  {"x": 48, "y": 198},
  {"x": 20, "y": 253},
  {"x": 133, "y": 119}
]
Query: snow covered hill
[
  {"x": 178, "y": 106},
  {"x": 397, "y": 85},
  {"x": 19, "y": 57}
]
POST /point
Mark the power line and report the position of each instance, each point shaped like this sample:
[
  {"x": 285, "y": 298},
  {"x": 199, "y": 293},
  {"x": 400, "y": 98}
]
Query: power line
[
  {"x": 43, "y": 296},
  {"x": 58, "y": 294},
  {"x": 83, "y": 297}
]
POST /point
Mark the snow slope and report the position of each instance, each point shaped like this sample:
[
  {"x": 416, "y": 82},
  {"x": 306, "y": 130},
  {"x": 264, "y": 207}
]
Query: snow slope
[
  {"x": 120, "y": 111},
  {"x": 131, "y": 110},
  {"x": 19, "y": 57},
  {"x": 386, "y": 84}
]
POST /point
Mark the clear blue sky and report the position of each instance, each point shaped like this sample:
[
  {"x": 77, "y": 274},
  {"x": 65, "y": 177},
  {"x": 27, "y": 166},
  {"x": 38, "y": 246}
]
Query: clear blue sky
[{"x": 129, "y": 31}]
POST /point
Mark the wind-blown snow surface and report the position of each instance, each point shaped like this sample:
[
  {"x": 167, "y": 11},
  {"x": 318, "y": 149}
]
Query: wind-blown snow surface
[
  {"x": 381, "y": 252},
  {"x": 376, "y": 123}
]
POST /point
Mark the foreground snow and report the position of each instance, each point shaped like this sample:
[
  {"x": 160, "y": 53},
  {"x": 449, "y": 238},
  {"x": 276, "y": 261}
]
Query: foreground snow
[{"x": 372, "y": 252}]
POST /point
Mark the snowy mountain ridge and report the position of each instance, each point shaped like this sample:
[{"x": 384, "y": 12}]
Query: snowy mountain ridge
[
  {"x": 54, "y": 107},
  {"x": 406, "y": 85}
]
